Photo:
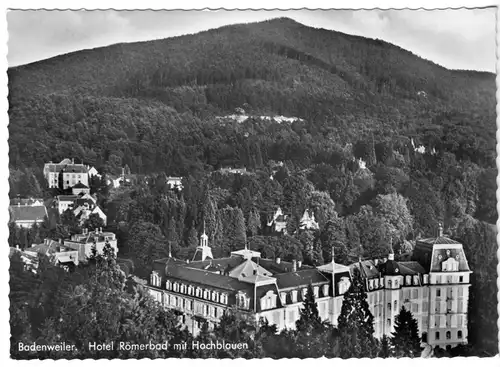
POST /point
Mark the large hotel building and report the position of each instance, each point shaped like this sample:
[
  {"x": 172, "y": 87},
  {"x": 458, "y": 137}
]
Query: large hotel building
[{"x": 434, "y": 286}]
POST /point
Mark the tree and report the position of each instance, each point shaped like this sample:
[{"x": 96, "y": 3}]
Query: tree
[
  {"x": 146, "y": 243},
  {"x": 93, "y": 222},
  {"x": 309, "y": 315},
  {"x": 385, "y": 347},
  {"x": 392, "y": 209},
  {"x": 69, "y": 220},
  {"x": 355, "y": 323},
  {"x": 405, "y": 338},
  {"x": 89, "y": 305},
  {"x": 254, "y": 222}
]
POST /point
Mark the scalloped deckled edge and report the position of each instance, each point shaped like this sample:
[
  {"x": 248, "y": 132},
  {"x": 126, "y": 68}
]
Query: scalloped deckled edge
[{"x": 216, "y": 362}]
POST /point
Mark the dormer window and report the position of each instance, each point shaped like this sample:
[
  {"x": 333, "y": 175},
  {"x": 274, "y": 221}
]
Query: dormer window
[
  {"x": 183, "y": 288},
  {"x": 370, "y": 284},
  {"x": 176, "y": 287},
  {"x": 215, "y": 296},
  {"x": 223, "y": 298},
  {"x": 408, "y": 280},
  {"x": 375, "y": 281},
  {"x": 268, "y": 301},
  {"x": 316, "y": 292},
  {"x": 304, "y": 292},
  {"x": 243, "y": 300},
  {"x": 415, "y": 280},
  {"x": 325, "y": 290},
  {"x": 190, "y": 290},
  {"x": 389, "y": 283},
  {"x": 283, "y": 298},
  {"x": 168, "y": 285},
  {"x": 198, "y": 292},
  {"x": 155, "y": 279},
  {"x": 206, "y": 294},
  {"x": 450, "y": 265},
  {"x": 294, "y": 296}
]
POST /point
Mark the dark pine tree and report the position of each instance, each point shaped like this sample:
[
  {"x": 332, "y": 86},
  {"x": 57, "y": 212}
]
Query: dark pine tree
[
  {"x": 309, "y": 314},
  {"x": 385, "y": 347},
  {"x": 405, "y": 338},
  {"x": 355, "y": 323}
]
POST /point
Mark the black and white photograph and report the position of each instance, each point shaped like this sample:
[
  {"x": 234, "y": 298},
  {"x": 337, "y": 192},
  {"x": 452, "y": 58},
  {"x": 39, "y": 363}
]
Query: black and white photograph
[{"x": 252, "y": 184}]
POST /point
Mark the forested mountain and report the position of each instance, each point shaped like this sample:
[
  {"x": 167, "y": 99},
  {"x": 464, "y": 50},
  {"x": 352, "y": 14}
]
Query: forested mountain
[
  {"x": 162, "y": 108},
  {"x": 127, "y": 99}
]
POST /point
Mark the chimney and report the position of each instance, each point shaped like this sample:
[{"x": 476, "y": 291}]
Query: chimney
[
  {"x": 299, "y": 264},
  {"x": 278, "y": 260},
  {"x": 294, "y": 265},
  {"x": 440, "y": 230}
]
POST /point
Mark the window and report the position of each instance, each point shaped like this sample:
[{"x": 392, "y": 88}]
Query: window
[
  {"x": 395, "y": 305},
  {"x": 459, "y": 334},
  {"x": 304, "y": 292},
  {"x": 316, "y": 292},
  {"x": 389, "y": 284},
  {"x": 283, "y": 298},
  {"x": 460, "y": 279},
  {"x": 294, "y": 296},
  {"x": 176, "y": 287},
  {"x": 448, "y": 335},
  {"x": 389, "y": 323},
  {"x": 198, "y": 292},
  {"x": 325, "y": 290},
  {"x": 190, "y": 290},
  {"x": 389, "y": 306},
  {"x": 438, "y": 292},
  {"x": 408, "y": 280},
  {"x": 183, "y": 288},
  {"x": 214, "y": 296},
  {"x": 437, "y": 335}
]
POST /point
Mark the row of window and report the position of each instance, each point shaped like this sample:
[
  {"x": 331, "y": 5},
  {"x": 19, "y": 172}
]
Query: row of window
[
  {"x": 189, "y": 305},
  {"x": 209, "y": 295},
  {"x": 442, "y": 321},
  {"x": 449, "y": 279},
  {"x": 294, "y": 294},
  {"x": 448, "y": 335}
]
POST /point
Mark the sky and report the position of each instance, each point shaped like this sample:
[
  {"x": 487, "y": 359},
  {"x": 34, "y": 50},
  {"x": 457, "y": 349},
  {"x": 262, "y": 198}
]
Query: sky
[{"x": 456, "y": 39}]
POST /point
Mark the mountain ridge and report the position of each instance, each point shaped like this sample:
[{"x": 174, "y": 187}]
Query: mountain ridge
[{"x": 352, "y": 85}]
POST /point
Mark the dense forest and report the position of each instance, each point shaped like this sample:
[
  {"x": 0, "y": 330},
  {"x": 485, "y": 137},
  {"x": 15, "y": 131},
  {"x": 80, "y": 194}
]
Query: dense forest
[{"x": 162, "y": 109}]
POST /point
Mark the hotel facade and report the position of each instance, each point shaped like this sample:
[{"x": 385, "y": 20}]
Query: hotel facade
[{"x": 434, "y": 286}]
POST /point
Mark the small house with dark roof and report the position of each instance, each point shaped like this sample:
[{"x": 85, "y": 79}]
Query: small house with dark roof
[
  {"x": 65, "y": 174},
  {"x": 26, "y": 216},
  {"x": 278, "y": 221}
]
